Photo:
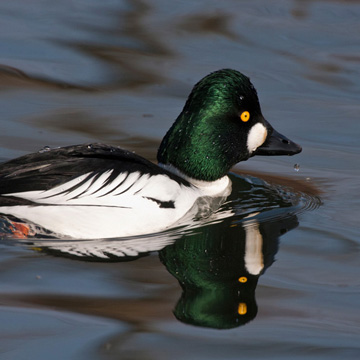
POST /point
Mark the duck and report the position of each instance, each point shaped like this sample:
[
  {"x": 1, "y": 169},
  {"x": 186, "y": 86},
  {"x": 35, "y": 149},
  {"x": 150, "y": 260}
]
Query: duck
[{"x": 96, "y": 190}]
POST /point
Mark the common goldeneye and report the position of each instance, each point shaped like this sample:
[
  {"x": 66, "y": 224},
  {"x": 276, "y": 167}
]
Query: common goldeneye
[{"x": 100, "y": 191}]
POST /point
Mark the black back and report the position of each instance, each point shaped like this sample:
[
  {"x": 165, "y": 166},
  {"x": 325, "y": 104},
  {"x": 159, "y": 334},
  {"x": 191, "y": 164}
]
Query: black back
[{"x": 49, "y": 168}]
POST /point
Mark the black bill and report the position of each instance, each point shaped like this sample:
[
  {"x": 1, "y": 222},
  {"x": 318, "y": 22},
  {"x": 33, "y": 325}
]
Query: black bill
[{"x": 277, "y": 144}]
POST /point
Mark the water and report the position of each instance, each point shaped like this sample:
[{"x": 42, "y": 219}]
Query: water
[{"x": 119, "y": 72}]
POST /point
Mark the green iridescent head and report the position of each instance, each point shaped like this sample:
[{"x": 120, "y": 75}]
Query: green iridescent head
[{"x": 221, "y": 124}]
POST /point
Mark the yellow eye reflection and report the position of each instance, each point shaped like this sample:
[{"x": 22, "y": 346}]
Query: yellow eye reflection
[
  {"x": 242, "y": 279},
  {"x": 245, "y": 116},
  {"x": 242, "y": 309}
]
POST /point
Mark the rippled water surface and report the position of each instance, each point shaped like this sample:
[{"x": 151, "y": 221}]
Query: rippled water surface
[{"x": 275, "y": 272}]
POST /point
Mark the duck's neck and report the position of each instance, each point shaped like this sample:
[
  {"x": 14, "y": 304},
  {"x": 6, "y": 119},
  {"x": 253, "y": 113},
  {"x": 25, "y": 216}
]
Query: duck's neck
[{"x": 210, "y": 188}]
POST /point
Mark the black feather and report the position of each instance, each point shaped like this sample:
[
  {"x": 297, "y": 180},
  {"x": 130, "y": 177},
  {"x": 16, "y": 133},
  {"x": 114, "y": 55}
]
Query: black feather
[{"x": 48, "y": 169}]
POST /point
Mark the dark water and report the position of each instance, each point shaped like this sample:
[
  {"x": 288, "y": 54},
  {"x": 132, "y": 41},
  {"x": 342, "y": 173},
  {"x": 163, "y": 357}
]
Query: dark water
[{"x": 278, "y": 269}]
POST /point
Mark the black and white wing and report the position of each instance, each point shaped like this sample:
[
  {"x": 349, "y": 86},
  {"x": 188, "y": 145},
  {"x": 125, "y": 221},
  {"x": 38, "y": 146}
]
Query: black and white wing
[{"x": 92, "y": 191}]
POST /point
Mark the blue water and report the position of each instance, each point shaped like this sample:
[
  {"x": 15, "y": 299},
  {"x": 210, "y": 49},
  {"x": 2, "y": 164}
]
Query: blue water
[{"x": 119, "y": 72}]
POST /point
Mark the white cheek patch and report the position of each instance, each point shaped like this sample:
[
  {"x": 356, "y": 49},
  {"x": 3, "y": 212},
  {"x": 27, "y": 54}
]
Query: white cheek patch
[{"x": 256, "y": 137}]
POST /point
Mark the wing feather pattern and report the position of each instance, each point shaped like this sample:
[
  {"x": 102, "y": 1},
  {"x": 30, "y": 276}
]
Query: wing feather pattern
[{"x": 92, "y": 191}]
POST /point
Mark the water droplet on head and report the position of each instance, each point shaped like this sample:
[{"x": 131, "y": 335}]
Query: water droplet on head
[
  {"x": 90, "y": 146},
  {"x": 296, "y": 167},
  {"x": 45, "y": 149}
]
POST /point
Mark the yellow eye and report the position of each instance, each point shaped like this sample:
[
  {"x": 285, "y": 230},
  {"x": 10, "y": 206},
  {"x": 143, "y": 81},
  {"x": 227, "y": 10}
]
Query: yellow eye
[
  {"x": 243, "y": 279},
  {"x": 245, "y": 116}
]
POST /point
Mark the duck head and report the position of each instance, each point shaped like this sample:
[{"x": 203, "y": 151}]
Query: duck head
[{"x": 220, "y": 125}]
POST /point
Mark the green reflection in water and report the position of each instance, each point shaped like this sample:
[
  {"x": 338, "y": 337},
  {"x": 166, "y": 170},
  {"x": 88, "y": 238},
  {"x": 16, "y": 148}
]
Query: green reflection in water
[{"x": 218, "y": 270}]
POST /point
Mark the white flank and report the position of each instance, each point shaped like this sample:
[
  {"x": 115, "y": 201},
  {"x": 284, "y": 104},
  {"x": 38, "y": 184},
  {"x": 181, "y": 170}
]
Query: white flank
[
  {"x": 131, "y": 204},
  {"x": 256, "y": 137}
]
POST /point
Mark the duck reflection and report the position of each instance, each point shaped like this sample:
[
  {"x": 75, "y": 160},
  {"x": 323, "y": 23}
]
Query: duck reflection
[{"x": 218, "y": 270}]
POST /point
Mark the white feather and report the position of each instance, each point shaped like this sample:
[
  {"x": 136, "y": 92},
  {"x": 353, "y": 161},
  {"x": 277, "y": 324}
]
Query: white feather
[
  {"x": 256, "y": 137},
  {"x": 126, "y": 206},
  {"x": 90, "y": 207}
]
